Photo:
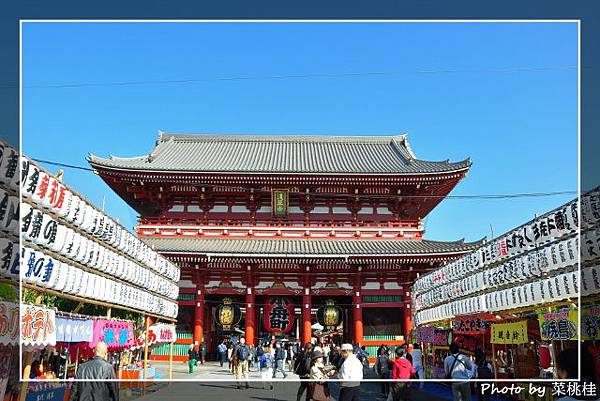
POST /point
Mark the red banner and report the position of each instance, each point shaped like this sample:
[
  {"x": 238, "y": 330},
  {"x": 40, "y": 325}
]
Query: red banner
[
  {"x": 472, "y": 325},
  {"x": 279, "y": 315}
]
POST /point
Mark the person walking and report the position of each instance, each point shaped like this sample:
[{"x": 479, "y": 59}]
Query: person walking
[
  {"x": 229, "y": 354},
  {"x": 289, "y": 357},
  {"x": 350, "y": 374},
  {"x": 402, "y": 371},
  {"x": 302, "y": 369},
  {"x": 266, "y": 367},
  {"x": 458, "y": 367},
  {"x": 417, "y": 362},
  {"x": 222, "y": 351},
  {"x": 279, "y": 361},
  {"x": 383, "y": 368},
  {"x": 97, "y": 368},
  {"x": 326, "y": 352},
  {"x": 318, "y": 387},
  {"x": 242, "y": 353},
  {"x": 192, "y": 358},
  {"x": 484, "y": 370},
  {"x": 202, "y": 353}
]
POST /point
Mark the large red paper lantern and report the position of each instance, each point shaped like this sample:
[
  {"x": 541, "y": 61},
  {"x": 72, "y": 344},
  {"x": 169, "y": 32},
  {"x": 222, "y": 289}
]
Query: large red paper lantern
[{"x": 279, "y": 315}]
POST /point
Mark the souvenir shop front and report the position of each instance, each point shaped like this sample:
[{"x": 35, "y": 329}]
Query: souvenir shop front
[
  {"x": 73, "y": 251},
  {"x": 513, "y": 298}
]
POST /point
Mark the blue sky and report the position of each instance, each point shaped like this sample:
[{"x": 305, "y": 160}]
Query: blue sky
[{"x": 503, "y": 94}]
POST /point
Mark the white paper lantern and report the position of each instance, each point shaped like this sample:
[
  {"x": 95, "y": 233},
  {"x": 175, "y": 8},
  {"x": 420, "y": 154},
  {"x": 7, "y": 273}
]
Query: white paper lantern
[{"x": 67, "y": 205}]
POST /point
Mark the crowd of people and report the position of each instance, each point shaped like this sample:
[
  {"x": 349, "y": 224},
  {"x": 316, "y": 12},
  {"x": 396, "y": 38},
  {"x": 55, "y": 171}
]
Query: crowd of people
[{"x": 407, "y": 366}]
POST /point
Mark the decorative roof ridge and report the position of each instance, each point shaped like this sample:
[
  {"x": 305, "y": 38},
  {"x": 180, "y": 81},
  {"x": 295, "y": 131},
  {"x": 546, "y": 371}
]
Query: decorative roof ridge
[
  {"x": 308, "y": 239},
  {"x": 211, "y": 137}
]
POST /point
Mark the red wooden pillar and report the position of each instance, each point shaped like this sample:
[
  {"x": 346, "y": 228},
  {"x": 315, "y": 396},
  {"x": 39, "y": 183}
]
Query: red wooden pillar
[
  {"x": 306, "y": 309},
  {"x": 250, "y": 310},
  {"x": 357, "y": 311},
  {"x": 306, "y": 318},
  {"x": 408, "y": 322},
  {"x": 198, "y": 335},
  {"x": 250, "y": 317},
  {"x": 199, "y": 317},
  {"x": 357, "y": 317}
]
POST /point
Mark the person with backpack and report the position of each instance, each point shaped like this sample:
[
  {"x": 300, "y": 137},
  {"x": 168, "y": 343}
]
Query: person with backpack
[
  {"x": 266, "y": 366},
  {"x": 383, "y": 368},
  {"x": 302, "y": 369},
  {"x": 242, "y": 353},
  {"x": 279, "y": 361},
  {"x": 458, "y": 367}
]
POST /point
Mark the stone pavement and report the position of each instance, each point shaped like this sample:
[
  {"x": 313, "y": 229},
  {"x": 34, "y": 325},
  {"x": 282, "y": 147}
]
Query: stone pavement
[{"x": 226, "y": 389}]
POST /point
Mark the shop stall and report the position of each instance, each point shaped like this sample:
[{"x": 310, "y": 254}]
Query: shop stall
[
  {"x": 72, "y": 250},
  {"x": 512, "y": 298}
]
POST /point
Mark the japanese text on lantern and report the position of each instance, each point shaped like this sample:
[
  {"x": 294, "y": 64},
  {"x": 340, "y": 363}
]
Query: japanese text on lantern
[{"x": 279, "y": 314}]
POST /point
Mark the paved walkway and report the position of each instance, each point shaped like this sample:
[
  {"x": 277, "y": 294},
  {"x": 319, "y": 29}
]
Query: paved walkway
[{"x": 226, "y": 390}]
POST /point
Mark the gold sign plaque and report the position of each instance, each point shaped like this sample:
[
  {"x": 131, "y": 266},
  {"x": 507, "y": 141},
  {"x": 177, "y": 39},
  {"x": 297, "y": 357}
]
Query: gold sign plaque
[{"x": 280, "y": 202}]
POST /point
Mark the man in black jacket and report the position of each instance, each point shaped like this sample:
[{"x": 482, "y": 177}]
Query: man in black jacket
[
  {"x": 302, "y": 369},
  {"x": 97, "y": 368}
]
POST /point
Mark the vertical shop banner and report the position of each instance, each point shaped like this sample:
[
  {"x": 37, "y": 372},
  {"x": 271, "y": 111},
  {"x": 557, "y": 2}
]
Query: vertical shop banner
[
  {"x": 279, "y": 315},
  {"x": 38, "y": 325},
  {"x": 558, "y": 325},
  {"x": 590, "y": 323},
  {"x": 510, "y": 333},
  {"x": 280, "y": 202},
  {"x": 116, "y": 334},
  {"x": 9, "y": 323}
]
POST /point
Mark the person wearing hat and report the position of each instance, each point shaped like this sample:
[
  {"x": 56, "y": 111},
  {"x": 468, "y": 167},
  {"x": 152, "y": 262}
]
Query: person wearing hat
[
  {"x": 350, "y": 374},
  {"x": 318, "y": 387}
]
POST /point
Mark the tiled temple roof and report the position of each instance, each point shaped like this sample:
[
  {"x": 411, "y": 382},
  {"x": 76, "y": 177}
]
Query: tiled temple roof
[{"x": 281, "y": 154}]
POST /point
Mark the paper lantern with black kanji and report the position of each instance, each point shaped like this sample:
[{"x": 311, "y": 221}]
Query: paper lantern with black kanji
[
  {"x": 278, "y": 315},
  {"x": 329, "y": 316}
]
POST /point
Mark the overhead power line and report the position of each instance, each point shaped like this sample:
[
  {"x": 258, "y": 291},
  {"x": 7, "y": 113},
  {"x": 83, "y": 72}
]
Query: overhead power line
[
  {"x": 472, "y": 196},
  {"x": 424, "y": 71}
]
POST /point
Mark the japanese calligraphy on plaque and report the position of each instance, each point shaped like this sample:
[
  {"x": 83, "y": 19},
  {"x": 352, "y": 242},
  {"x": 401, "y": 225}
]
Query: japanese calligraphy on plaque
[
  {"x": 558, "y": 325},
  {"x": 280, "y": 202},
  {"x": 279, "y": 315},
  {"x": 510, "y": 333}
]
